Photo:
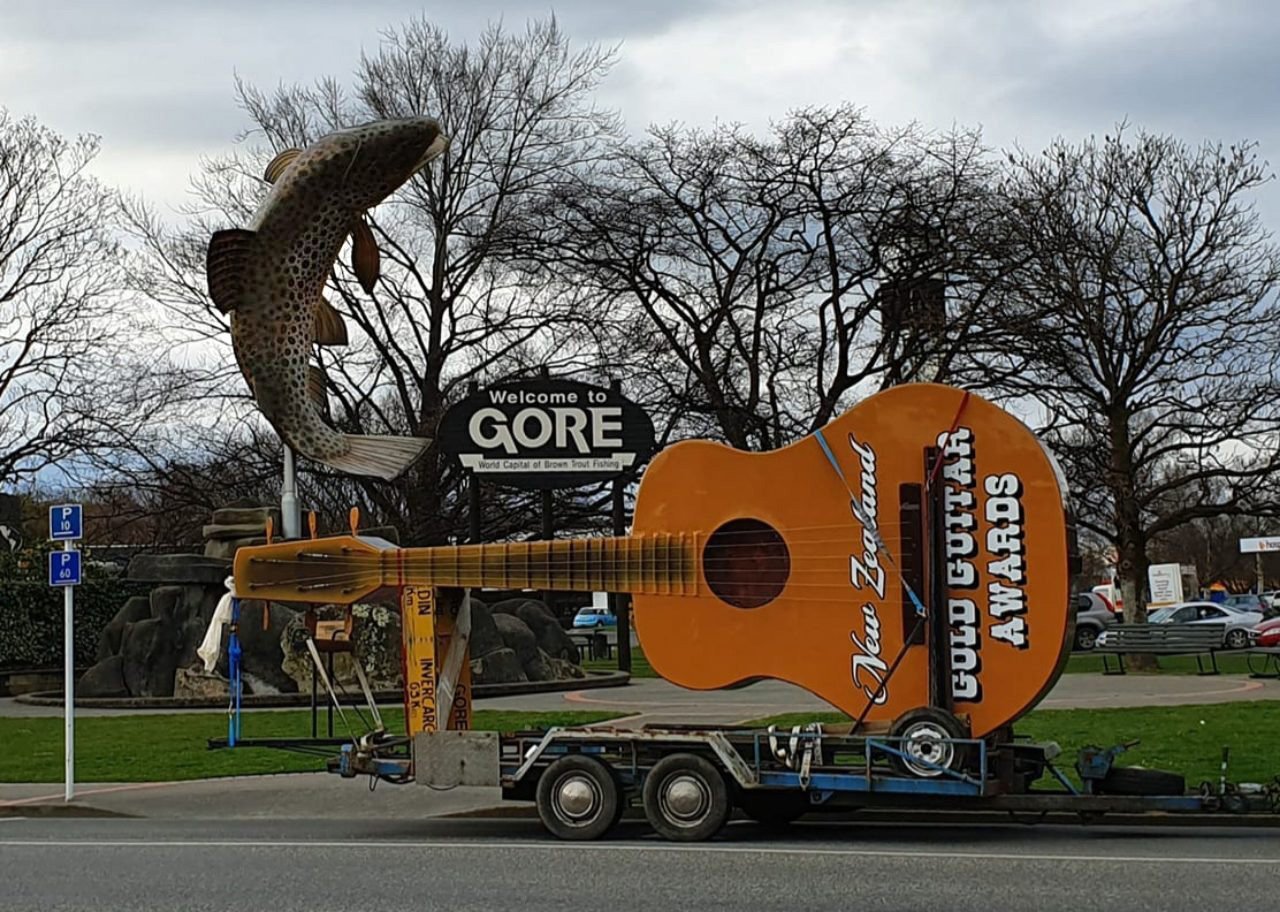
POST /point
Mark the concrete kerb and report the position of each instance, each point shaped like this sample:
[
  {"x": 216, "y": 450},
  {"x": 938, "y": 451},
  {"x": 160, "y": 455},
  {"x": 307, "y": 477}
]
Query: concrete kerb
[{"x": 593, "y": 680}]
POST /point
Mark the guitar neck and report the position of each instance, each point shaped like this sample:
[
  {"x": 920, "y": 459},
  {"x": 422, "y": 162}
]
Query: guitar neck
[{"x": 654, "y": 564}]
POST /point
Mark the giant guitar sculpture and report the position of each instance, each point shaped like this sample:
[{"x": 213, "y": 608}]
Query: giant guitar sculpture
[{"x": 812, "y": 564}]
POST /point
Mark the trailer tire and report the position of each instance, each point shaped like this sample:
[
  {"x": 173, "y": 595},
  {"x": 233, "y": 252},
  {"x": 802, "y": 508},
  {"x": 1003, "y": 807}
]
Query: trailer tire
[
  {"x": 686, "y": 798},
  {"x": 926, "y": 730},
  {"x": 578, "y": 798},
  {"x": 1135, "y": 780}
]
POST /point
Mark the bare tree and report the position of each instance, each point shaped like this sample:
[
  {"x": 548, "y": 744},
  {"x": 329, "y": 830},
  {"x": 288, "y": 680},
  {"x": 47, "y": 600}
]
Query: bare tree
[
  {"x": 1141, "y": 320},
  {"x": 757, "y": 285},
  {"x": 71, "y": 388},
  {"x": 517, "y": 110}
]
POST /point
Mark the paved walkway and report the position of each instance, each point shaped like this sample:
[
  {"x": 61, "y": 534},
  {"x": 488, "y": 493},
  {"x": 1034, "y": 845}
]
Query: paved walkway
[
  {"x": 320, "y": 795},
  {"x": 294, "y": 796},
  {"x": 653, "y": 700},
  {"x": 656, "y": 700}
]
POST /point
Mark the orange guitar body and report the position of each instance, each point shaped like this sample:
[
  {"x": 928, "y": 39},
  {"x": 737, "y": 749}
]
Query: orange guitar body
[{"x": 792, "y": 585}]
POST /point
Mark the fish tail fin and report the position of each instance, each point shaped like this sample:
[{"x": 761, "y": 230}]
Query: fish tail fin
[{"x": 380, "y": 455}]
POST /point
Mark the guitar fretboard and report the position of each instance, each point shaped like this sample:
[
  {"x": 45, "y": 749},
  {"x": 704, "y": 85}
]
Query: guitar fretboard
[{"x": 654, "y": 564}]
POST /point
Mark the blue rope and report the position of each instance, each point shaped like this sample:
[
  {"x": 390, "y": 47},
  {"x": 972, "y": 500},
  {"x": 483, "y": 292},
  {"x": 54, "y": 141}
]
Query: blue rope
[{"x": 237, "y": 685}]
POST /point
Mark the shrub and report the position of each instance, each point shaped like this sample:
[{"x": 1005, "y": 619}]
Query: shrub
[{"x": 31, "y": 610}]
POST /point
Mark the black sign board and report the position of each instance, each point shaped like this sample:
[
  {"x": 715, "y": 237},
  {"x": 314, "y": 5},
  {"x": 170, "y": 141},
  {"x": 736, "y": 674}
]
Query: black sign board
[{"x": 547, "y": 434}]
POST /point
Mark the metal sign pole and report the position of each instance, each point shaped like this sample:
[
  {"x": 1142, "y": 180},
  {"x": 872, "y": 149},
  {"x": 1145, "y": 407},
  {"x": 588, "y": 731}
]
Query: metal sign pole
[
  {"x": 291, "y": 518},
  {"x": 69, "y": 683},
  {"x": 67, "y": 526}
]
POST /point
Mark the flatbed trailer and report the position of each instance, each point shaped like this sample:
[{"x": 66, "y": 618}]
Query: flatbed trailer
[{"x": 690, "y": 780}]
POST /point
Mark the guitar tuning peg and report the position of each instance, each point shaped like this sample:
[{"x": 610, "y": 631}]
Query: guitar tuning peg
[
  {"x": 353, "y": 520},
  {"x": 312, "y": 524},
  {"x": 271, "y": 528}
]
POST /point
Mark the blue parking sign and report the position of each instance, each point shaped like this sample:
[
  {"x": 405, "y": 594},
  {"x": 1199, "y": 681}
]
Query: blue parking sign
[
  {"x": 65, "y": 522},
  {"x": 64, "y": 568}
]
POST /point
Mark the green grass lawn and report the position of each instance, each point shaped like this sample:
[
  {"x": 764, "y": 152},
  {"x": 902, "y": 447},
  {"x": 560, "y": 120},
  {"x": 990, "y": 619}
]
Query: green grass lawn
[
  {"x": 1079, "y": 663},
  {"x": 1228, "y": 663},
  {"x": 169, "y": 747},
  {"x": 1184, "y": 739},
  {"x": 640, "y": 667}
]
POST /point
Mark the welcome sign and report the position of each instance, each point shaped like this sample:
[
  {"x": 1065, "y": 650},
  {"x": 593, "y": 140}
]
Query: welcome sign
[{"x": 547, "y": 434}]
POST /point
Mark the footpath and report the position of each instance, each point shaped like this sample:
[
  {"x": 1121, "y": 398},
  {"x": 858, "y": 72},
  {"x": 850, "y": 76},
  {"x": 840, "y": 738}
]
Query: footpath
[{"x": 644, "y": 701}]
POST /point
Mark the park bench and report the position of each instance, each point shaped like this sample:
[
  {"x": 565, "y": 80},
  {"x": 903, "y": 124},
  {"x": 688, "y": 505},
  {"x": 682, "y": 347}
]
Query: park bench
[
  {"x": 591, "y": 645},
  {"x": 1263, "y": 661},
  {"x": 1162, "y": 639}
]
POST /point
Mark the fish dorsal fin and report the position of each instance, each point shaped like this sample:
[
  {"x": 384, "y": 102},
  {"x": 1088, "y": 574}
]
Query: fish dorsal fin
[
  {"x": 316, "y": 389},
  {"x": 278, "y": 164},
  {"x": 329, "y": 327},
  {"x": 225, "y": 266},
  {"x": 365, "y": 258}
]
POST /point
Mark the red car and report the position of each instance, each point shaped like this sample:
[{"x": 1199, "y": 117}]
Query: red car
[{"x": 1267, "y": 633}]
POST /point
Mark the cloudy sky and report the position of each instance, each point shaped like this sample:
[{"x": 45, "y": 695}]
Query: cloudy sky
[{"x": 154, "y": 77}]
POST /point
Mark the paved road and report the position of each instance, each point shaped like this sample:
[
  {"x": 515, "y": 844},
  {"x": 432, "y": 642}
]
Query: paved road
[{"x": 110, "y": 865}]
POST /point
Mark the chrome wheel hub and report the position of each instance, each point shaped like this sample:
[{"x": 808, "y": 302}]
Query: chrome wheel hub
[
  {"x": 927, "y": 748},
  {"x": 685, "y": 799},
  {"x": 577, "y": 799}
]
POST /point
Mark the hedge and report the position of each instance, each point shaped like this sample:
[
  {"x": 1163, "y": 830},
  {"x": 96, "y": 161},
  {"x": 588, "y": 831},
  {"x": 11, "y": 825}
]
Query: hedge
[{"x": 31, "y": 612}]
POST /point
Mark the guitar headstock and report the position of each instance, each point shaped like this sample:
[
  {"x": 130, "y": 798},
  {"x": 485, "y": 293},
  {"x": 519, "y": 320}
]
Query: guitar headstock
[{"x": 339, "y": 570}]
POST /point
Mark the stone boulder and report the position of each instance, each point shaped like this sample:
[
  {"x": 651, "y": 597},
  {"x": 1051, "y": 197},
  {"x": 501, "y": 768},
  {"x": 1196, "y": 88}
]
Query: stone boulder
[
  {"x": 502, "y": 666},
  {"x": 193, "y": 683},
  {"x": 180, "y": 568},
  {"x": 564, "y": 670},
  {"x": 105, "y": 679},
  {"x": 485, "y": 637},
  {"x": 550, "y": 636},
  {"x": 134, "y": 609},
  {"x": 149, "y": 657},
  {"x": 261, "y": 654},
  {"x": 516, "y": 636},
  {"x": 376, "y": 644}
]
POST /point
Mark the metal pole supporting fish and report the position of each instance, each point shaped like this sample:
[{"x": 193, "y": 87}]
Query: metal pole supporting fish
[{"x": 291, "y": 519}]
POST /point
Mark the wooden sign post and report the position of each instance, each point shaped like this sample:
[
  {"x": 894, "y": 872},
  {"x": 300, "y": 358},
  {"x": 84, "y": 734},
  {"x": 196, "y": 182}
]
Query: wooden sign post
[{"x": 428, "y": 624}]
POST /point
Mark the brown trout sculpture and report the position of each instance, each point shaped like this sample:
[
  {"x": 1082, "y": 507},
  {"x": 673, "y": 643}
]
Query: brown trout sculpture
[{"x": 270, "y": 278}]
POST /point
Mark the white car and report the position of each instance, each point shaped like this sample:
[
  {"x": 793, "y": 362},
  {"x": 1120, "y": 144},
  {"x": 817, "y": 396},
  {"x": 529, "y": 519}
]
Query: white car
[{"x": 1237, "y": 624}]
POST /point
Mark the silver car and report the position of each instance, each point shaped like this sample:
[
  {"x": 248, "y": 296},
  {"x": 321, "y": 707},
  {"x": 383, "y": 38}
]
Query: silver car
[
  {"x": 1092, "y": 618},
  {"x": 1237, "y": 623}
]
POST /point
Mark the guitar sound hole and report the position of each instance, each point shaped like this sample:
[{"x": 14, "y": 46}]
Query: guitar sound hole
[{"x": 746, "y": 563}]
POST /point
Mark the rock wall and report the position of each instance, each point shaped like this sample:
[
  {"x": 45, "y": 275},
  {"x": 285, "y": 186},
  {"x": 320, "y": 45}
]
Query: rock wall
[
  {"x": 149, "y": 648},
  {"x": 152, "y": 638}
]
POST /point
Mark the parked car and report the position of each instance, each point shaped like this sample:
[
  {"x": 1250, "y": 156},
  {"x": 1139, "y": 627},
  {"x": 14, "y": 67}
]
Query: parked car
[
  {"x": 1266, "y": 634},
  {"x": 1249, "y": 602},
  {"x": 1272, "y": 598},
  {"x": 1237, "y": 623},
  {"x": 1093, "y": 616},
  {"x": 594, "y": 617}
]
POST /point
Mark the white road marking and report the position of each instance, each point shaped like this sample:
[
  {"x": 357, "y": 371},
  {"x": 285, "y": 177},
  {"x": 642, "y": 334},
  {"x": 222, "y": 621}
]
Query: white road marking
[{"x": 709, "y": 849}]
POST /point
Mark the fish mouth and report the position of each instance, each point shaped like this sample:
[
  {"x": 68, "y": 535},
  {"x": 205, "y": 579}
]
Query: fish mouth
[{"x": 433, "y": 151}]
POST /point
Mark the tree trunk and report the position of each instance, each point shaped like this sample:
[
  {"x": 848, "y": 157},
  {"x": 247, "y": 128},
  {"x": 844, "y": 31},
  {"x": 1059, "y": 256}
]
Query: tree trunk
[{"x": 1132, "y": 569}]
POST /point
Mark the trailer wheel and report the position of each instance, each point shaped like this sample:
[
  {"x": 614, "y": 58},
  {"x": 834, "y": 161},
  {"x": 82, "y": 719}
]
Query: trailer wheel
[
  {"x": 773, "y": 810},
  {"x": 1135, "y": 780},
  {"x": 926, "y": 745},
  {"x": 578, "y": 798},
  {"x": 686, "y": 798}
]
